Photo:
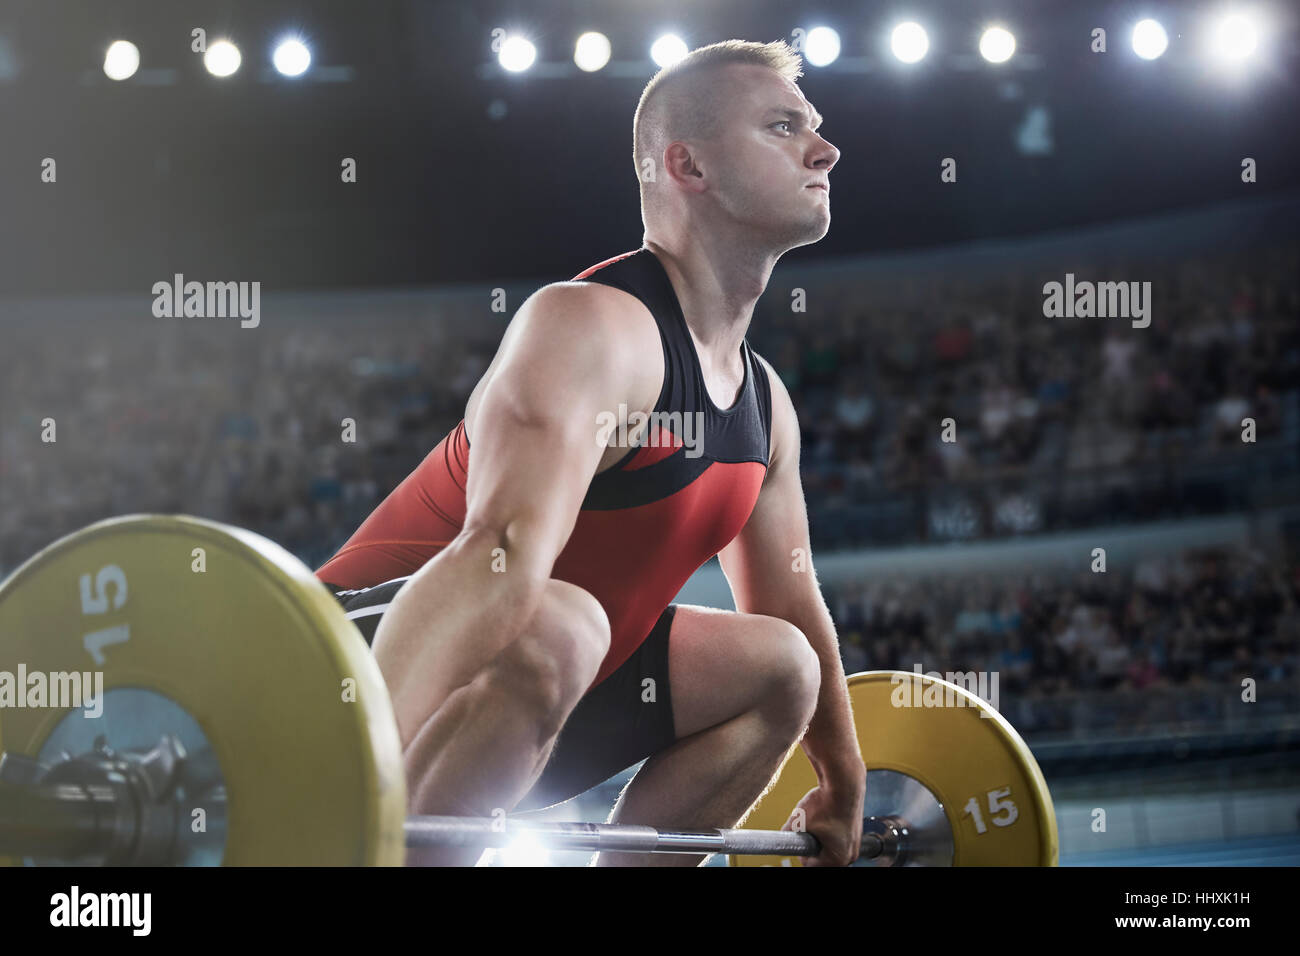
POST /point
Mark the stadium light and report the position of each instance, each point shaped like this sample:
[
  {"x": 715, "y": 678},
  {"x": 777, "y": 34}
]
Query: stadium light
[
  {"x": 121, "y": 60},
  {"x": 1150, "y": 40},
  {"x": 668, "y": 49},
  {"x": 1234, "y": 37},
  {"x": 516, "y": 54},
  {"x": 222, "y": 58},
  {"x": 822, "y": 46},
  {"x": 291, "y": 57},
  {"x": 909, "y": 42},
  {"x": 997, "y": 45},
  {"x": 591, "y": 51}
]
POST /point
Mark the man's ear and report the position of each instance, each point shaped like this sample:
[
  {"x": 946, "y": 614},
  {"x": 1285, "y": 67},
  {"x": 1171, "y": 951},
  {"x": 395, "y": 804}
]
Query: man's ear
[{"x": 681, "y": 163}]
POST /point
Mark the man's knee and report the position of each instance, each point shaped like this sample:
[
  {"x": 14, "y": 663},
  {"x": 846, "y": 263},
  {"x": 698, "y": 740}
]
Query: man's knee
[
  {"x": 575, "y": 624},
  {"x": 792, "y": 680},
  {"x": 551, "y": 665}
]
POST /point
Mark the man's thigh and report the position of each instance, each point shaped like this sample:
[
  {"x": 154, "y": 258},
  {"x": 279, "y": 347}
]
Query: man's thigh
[
  {"x": 698, "y": 668},
  {"x": 623, "y": 720}
]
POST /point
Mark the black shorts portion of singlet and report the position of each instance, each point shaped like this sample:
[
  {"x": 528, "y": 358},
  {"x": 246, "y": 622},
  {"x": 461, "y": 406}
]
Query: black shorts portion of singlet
[{"x": 612, "y": 727}]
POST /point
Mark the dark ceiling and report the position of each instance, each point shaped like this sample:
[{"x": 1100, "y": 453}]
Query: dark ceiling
[{"x": 468, "y": 175}]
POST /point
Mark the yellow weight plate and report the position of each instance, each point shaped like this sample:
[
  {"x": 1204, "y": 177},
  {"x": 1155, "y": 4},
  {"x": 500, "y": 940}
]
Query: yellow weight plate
[
  {"x": 249, "y": 645},
  {"x": 992, "y": 790}
]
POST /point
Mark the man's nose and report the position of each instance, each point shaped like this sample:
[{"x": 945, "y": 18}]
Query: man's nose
[{"x": 826, "y": 156}]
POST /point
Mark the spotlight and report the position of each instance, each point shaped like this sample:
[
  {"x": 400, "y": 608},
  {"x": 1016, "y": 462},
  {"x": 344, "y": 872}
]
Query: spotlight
[
  {"x": 291, "y": 57},
  {"x": 909, "y": 42},
  {"x": 517, "y": 54},
  {"x": 997, "y": 45},
  {"x": 121, "y": 60},
  {"x": 821, "y": 46},
  {"x": 667, "y": 50},
  {"x": 222, "y": 58},
  {"x": 1150, "y": 40},
  {"x": 591, "y": 52},
  {"x": 1234, "y": 38}
]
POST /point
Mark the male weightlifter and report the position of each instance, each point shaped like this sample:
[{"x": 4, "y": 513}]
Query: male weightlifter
[{"x": 517, "y": 597}]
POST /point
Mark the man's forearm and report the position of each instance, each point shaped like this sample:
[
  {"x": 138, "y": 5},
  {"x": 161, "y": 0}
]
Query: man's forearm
[{"x": 831, "y": 742}]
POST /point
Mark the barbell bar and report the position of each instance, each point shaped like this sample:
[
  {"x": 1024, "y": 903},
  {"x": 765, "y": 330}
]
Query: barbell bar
[
  {"x": 434, "y": 831},
  {"x": 236, "y": 688},
  {"x": 99, "y": 818}
]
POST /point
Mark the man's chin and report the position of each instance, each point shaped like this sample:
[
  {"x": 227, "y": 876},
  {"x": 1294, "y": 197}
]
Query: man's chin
[
  {"x": 814, "y": 232},
  {"x": 793, "y": 233}
]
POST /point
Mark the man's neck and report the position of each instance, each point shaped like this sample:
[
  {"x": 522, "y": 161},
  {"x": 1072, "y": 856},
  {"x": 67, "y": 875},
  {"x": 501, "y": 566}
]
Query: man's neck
[{"x": 717, "y": 285}]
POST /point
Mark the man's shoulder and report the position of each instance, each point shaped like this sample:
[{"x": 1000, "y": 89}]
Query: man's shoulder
[
  {"x": 588, "y": 290},
  {"x": 597, "y": 309},
  {"x": 585, "y": 332}
]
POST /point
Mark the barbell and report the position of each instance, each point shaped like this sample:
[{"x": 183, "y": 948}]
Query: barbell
[{"x": 244, "y": 721}]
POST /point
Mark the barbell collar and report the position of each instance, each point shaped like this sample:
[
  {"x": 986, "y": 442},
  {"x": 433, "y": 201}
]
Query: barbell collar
[
  {"x": 101, "y": 806},
  {"x": 62, "y": 821}
]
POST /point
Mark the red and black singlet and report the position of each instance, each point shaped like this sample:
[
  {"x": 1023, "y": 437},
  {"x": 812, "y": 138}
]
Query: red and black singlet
[{"x": 645, "y": 525}]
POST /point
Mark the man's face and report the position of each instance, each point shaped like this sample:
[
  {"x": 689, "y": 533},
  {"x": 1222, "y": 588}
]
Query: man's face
[{"x": 768, "y": 165}]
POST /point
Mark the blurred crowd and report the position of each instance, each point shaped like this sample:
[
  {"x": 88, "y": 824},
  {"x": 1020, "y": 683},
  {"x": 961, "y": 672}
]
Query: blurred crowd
[
  {"x": 296, "y": 429},
  {"x": 1039, "y": 404},
  {"x": 299, "y": 428},
  {"x": 1197, "y": 619},
  {"x": 248, "y": 425}
]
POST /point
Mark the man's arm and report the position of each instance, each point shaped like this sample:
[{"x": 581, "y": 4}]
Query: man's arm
[
  {"x": 573, "y": 351},
  {"x": 769, "y": 568}
]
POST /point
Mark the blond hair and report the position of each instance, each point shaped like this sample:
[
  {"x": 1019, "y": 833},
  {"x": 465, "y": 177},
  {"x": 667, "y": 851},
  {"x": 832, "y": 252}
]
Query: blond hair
[{"x": 679, "y": 102}]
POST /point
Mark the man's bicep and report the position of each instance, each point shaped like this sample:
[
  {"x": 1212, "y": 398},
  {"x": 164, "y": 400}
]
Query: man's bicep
[{"x": 536, "y": 441}]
